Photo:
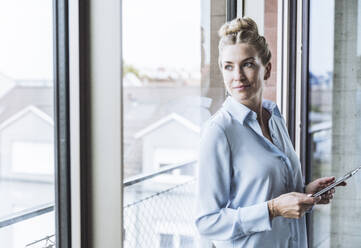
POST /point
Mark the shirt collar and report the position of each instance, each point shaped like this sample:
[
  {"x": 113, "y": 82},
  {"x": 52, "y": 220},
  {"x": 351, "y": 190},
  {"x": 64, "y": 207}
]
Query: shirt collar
[{"x": 242, "y": 112}]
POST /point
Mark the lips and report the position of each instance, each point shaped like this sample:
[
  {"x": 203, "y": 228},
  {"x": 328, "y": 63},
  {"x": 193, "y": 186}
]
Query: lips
[{"x": 241, "y": 87}]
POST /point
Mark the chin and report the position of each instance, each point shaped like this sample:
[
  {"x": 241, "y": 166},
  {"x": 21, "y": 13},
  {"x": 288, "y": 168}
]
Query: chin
[{"x": 240, "y": 96}]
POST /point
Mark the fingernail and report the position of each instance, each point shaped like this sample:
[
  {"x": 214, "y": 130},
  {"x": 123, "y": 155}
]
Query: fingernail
[{"x": 309, "y": 195}]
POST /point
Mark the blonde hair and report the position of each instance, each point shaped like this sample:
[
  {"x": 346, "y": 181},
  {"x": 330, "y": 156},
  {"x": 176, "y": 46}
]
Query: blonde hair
[{"x": 243, "y": 30}]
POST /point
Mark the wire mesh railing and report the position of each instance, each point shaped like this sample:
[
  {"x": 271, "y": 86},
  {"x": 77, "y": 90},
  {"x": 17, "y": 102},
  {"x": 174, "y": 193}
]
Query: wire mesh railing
[
  {"x": 47, "y": 242},
  {"x": 164, "y": 219},
  {"x": 159, "y": 210}
]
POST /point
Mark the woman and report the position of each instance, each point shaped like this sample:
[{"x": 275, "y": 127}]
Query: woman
[{"x": 251, "y": 192}]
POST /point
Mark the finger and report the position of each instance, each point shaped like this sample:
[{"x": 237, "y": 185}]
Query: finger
[
  {"x": 328, "y": 193},
  {"x": 309, "y": 200},
  {"x": 326, "y": 180},
  {"x": 327, "y": 196},
  {"x": 324, "y": 201},
  {"x": 306, "y": 207}
]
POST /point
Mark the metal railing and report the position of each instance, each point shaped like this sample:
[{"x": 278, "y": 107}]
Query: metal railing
[
  {"x": 26, "y": 214},
  {"x": 48, "y": 242},
  {"x": 162, "y": 217},
  {"x": 142, "y": 177},
  {"x": 147, "y": 208},
  {"x": 313, "y": 132},
  {"x": 323, "y": 126}
]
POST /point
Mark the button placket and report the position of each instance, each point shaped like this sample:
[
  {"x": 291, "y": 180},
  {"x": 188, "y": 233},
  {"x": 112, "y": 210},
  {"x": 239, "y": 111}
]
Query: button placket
[
  {"x": 285, "y": 163},
  {"x": 275, "y": 140}
]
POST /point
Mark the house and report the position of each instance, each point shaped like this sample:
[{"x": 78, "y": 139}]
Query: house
[
  {"x": 27, "y": 132},
  {"x": 26, "y": 146},
  {"x": 171, "y": 140}
]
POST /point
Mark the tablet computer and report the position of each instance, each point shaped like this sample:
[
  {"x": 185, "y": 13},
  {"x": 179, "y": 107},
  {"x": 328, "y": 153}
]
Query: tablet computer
[{"x": 337, "y": 182}]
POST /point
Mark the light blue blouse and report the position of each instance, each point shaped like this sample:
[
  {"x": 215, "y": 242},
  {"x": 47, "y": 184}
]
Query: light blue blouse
[{"x": 239, "y": 171}]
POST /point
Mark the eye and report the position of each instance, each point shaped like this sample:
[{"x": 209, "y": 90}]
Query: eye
[
  {"x": 248, "y": 64},
  {"x": 228, "y": 67}
]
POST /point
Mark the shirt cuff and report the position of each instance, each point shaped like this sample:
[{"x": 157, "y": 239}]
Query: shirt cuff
[{"x": 255, "y": 218}]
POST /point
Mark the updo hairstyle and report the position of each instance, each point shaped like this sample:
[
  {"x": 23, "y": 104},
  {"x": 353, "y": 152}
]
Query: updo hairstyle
[{"x": 243, "y": 30}]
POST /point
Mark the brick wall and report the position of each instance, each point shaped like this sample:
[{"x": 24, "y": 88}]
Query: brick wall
[{"x": 270, "y": 33}]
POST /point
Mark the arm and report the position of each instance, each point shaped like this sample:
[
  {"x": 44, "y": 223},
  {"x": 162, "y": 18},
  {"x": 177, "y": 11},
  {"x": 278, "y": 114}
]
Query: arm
[{"x": 216, "y": 220}]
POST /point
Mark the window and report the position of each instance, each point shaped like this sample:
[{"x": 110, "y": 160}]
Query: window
[
  {"x": 265, "y": 13},
  {"x": 186, "y": 241},
  {"x": 334, "y": 116},
  {"x": 32, "y": 158},
  {"x": 168, "y": 93},
  {"x": 175, "y": 241},
  {"x": 171, "y": 85},
  {"x": 26, "y": 122},
  {"x": 161, "y": 83}
]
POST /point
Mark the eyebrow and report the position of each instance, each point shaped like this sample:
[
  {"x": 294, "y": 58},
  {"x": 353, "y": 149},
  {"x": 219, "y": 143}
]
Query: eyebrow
[{"x": 250, "y": 58}]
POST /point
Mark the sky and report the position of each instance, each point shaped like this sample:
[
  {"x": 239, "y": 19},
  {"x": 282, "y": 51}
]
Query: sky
[
  {"x": 26, "y": 43},
  {"x": 321, "y": 36},
  {"x": 151, "y": 37},
  {"x": 161, "y": 33}
]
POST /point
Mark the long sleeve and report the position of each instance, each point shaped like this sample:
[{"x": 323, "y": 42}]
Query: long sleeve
[{"x": 215, "y": 219}]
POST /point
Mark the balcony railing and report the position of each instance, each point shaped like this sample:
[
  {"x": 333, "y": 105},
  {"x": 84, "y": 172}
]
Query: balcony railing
[{"x": 158, "y": 210}]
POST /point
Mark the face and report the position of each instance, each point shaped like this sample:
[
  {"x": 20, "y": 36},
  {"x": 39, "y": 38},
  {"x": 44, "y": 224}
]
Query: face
[{"x": 243, "y": 73}]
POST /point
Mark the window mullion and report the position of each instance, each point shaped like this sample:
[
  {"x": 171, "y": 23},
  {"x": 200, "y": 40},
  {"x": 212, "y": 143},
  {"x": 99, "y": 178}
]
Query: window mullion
[{"x": 61, "y": 120}]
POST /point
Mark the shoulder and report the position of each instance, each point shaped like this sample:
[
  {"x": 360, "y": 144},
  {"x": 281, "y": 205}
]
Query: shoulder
[
  {"x": 221, "y": 120},
  {"x": 214, "y": 136}
]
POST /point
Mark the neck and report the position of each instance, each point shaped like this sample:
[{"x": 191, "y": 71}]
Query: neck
[{"x": 255, "y": 104}]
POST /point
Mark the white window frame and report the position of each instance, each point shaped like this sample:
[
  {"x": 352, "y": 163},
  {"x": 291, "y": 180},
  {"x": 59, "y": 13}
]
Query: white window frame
[{"x": 95, "y": 123}]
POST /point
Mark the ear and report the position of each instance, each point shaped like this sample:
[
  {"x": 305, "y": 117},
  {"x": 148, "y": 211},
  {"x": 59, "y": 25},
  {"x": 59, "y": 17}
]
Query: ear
[{"x": 267, "y": 73}]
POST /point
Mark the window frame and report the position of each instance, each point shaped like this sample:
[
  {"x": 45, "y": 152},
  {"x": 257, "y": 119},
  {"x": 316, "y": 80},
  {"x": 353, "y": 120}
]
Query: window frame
[
  {"x": 292, "y": 70},
  {"x": 231, "y": 11},
  {"x": 305, "y": 139},
  {"x": 95, "y": 123},
  {"x": 61, "y": 124}
]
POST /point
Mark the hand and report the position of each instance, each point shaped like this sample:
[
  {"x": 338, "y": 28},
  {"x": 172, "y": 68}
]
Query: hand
[
  {"x": 291, "y": 205},
  {"x": 322, "y": 183}
]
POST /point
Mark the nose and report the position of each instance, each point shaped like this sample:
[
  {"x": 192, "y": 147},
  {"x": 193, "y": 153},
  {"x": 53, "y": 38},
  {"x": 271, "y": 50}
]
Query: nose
[{"x": 238, "y": 74}]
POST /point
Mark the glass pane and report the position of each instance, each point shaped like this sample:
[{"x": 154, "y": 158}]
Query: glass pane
[
  {"x": 21, "y": 234},
  {"x": 265, "y": 13},
  {"x": 334, "y": 115},
  {"x": 26, "y": 118},
  {"x": 161, "y": 83},
  {"x": 163, "y": 112},
  {"x": 171, "y": 85}
]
